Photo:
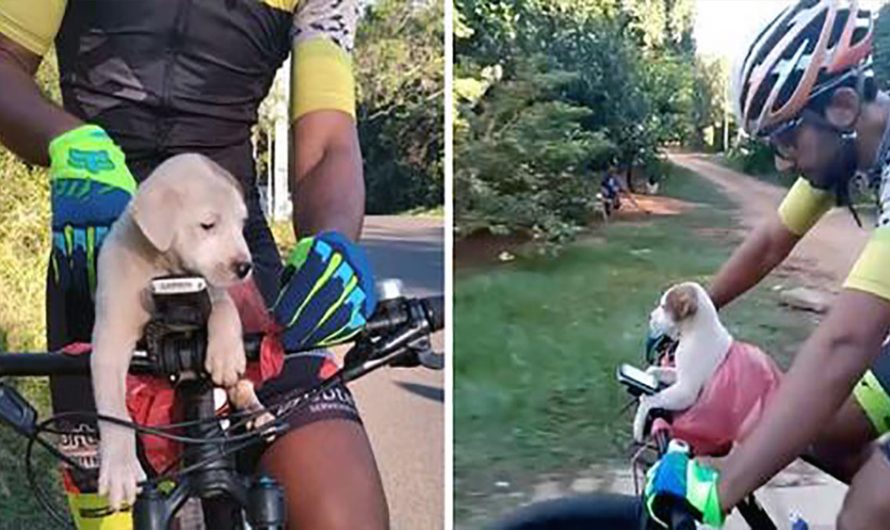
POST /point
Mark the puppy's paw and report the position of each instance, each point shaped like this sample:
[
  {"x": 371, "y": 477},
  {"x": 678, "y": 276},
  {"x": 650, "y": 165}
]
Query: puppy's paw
[
  {"x": 243, "y": 396},
  {"x": 640, "y": 420},
  {"x": 639, "y": 424},
  {"x": 119, "y": 468},
  {"x": 226, "y": 361},
  {"x": 664, "y": 374}
]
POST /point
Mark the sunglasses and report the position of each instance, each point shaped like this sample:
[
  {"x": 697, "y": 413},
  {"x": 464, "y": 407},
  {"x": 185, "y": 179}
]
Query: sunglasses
[{"x": 783, "y": 139}]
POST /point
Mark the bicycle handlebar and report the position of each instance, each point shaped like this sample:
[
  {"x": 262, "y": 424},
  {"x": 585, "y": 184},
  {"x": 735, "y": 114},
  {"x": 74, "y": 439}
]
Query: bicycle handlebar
[{"x": 38, "y": 364}]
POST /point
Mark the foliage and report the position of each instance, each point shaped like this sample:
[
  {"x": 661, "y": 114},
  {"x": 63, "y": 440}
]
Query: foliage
[
  {"x": 399, "y": 69},
  {"x": 752, "y": 156},
  {"x": 709, "y": 101},
  {"x": 604, "y": 83},
  {"x": 522, "y": 154},
  {"x": 25, "y": 238},
  {"x": 24, "y": 253},
  {"x": 400, "y": 72},
  {"x": 881, "y": 56}
]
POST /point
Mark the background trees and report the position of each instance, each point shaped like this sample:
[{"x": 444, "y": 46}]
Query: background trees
[{"x": 549, "y": 94}]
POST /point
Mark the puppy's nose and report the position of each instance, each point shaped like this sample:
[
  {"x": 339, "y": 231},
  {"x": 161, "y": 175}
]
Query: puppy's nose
[{"x": 242, "y": 269}]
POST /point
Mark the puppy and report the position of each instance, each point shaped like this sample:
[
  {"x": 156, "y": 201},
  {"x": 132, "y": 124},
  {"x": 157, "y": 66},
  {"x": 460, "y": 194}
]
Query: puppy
[
  {"x": 187, "y": 217},
  {"x": 685, "y": 313}
]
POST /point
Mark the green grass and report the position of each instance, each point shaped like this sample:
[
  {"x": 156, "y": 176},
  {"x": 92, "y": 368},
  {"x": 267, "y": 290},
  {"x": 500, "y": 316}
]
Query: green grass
[{"x": 537, "y": 341}]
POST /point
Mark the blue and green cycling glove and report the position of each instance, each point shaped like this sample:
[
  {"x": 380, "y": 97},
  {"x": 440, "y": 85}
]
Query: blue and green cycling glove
[
  {"x": 678, "y": 479},
  {"x": 91, "y": 186},
  {"x": 328, "y": 292}
]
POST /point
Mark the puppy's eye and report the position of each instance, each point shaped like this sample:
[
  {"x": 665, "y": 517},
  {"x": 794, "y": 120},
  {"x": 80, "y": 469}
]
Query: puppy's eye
[{"x": 208, "y": 226}]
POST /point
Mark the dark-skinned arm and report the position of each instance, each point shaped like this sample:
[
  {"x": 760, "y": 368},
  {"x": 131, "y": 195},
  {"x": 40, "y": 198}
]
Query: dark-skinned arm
[
  {"x": 327, "y": 180},
  {"x": 762, "y": 251},
  {"x": 28, "y": 121},
  {"x": 821, "y": 378}
]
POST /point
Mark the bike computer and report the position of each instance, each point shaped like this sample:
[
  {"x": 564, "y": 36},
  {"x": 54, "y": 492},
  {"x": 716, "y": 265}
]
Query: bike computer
[{"x": 637, "y": 381}]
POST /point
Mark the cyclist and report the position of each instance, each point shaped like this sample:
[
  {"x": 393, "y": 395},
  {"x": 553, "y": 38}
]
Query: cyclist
[
  {"x": 143, "y": 80},
  {"x": 805, "y": 85}
]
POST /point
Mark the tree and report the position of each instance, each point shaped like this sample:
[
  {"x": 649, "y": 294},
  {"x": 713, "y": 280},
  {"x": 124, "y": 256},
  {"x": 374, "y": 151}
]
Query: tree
[
  {"x": 708, "y": 100},
  {"x": 548, "y": 93},
  {"x": 882, "y": 47},
  {"x": 400, "y": 73},
  {"x": 523, "y": 162}
]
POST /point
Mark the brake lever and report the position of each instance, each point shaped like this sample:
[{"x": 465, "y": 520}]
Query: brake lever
[{"x": 420, "y": 353}]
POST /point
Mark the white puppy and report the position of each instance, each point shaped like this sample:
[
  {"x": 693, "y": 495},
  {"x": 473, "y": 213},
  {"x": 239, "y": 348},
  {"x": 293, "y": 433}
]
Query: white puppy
[
  {"x": 187, "y": 217},
  {"x": 685, "y": 313}
]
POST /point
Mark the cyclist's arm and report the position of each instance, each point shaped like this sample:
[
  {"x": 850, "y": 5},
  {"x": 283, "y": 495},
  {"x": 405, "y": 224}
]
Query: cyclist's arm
[
  {"x": 327, "y": 178},
  {"x": 821, "y": 378},
  {"x": 27, "y": 120},
  {"x": 770, "y": 243}
]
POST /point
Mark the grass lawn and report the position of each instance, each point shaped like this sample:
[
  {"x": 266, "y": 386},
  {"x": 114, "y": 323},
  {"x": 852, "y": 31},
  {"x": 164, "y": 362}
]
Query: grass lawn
[{"x": 537, "y": 341}]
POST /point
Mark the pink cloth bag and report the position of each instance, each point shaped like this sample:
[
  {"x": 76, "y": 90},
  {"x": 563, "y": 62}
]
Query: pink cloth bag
[{"x": 731, "y": 403}]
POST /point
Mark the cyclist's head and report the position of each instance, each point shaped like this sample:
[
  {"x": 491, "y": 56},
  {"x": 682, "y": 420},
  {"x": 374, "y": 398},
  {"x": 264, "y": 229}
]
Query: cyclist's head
[{"x": 801, "y": 84}]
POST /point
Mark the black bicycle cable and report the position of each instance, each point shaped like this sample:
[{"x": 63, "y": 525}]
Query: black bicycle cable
[
  {"x": 299, "y": 398},
  {"x": 39, "y": 493}
]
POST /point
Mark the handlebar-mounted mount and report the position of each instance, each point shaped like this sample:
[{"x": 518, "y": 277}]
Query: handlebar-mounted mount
[
  {"x": 176, "y": 346},
  {"x": 176, "y": 336}
]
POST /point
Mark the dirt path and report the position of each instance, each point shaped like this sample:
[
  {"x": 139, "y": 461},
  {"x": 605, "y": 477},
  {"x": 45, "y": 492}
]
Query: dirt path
[{"x": 823, "y": 258}]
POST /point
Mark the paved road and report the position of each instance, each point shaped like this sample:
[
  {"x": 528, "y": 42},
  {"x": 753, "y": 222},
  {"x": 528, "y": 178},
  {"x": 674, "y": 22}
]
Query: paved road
[{"x": 404, "y": 410}]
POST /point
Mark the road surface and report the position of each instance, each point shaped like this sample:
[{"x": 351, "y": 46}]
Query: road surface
[{"x": 404, "y": 410}]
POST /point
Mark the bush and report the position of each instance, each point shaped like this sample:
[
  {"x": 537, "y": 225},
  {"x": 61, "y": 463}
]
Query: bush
[
  {"x": 752, "y": 157},
  {"x": 522, "y": 162}
]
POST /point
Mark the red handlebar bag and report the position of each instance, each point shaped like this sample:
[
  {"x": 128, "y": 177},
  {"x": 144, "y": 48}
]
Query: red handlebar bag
[
  {"x": 731, "y": 403},
  {"x": 151, "y": 400}
]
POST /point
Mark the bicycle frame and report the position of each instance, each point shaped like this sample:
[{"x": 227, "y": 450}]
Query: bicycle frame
[{"x": 397, "y": 335}]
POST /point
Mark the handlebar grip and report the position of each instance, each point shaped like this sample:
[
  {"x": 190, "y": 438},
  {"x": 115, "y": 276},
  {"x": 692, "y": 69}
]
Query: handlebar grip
[
  {"x": 434, "y": 307},
  {"x": 43, "y": 364}
]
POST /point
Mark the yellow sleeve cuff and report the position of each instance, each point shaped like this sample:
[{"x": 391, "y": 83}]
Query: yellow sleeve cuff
[
  {"x": 871, "y": 273},
  {"x": 31, "y": 25},
  {"x": 803, "y": 206},
  {"x": 321, "y": 78}
]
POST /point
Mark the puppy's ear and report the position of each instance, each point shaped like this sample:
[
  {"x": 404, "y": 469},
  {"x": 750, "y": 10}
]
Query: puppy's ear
[
  {"x": 155, "y": 209},
  {"x": 682, "y": 302}
]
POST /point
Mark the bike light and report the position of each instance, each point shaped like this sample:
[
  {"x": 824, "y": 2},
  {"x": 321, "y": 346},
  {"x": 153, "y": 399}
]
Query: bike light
[
  {"x": 389, "y": 289},
  {"x": 16, "y": 412}
]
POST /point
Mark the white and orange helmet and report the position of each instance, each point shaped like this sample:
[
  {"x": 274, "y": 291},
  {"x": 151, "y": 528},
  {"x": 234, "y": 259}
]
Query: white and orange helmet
[{"x": 811, "y": 47}]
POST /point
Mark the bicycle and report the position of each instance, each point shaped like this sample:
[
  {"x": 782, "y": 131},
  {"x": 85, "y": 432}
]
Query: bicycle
[
  {"x": 173, "y": 346},
  {"x": 626, "y": 512}
]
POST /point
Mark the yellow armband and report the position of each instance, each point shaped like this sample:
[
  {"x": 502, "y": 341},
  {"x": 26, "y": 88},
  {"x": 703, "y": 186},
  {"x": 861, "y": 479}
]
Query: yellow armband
[
  {"x": 871, "y": 273},
  {"x": 803, "y": 206},
  {"x": 31, "y": 25},
  {"x": 321, "y": 78}
]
